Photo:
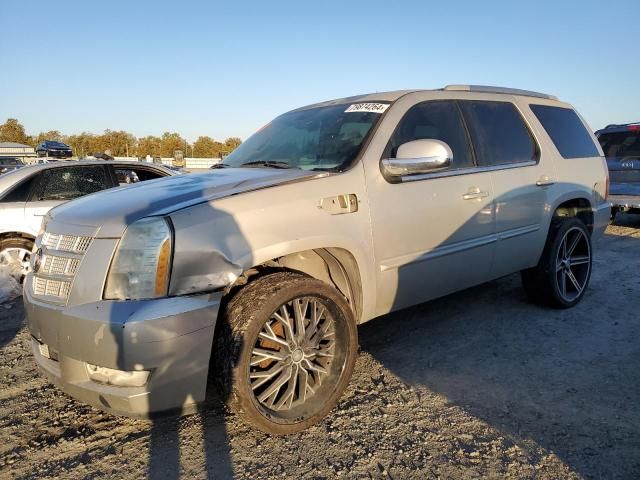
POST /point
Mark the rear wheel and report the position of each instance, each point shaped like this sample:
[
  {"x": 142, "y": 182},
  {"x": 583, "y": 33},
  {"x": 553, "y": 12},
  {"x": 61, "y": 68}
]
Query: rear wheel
[
  {"x": 285, "y": 351},
  {"x": 15, "y": 255},
  {"x": 562, "y": 275}
]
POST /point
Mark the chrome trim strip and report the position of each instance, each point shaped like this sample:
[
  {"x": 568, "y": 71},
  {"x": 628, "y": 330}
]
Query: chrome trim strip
[
  {"x": 444, "y": 250},
  {"x": 516, "y": 232},
  {"x": 466, "y": 171}
]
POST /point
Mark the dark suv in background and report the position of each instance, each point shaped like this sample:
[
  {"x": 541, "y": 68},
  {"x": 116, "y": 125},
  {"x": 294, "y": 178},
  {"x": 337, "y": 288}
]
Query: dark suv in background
[
  {"x": 621, "y": 146},
  {"x": 50, "y": 148}
]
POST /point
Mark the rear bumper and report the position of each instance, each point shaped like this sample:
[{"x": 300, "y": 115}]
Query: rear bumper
[
  {"x": 171, "y": 337},
  {"x": 601, "y": 220},
  {"x": 624, "y": 202}
]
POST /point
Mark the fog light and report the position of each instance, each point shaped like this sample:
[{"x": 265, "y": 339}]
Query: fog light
[{"x": 119, "y": 378}]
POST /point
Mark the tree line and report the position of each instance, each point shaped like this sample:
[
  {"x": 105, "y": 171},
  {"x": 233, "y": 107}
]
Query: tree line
[{"x": 122, "y": 144}]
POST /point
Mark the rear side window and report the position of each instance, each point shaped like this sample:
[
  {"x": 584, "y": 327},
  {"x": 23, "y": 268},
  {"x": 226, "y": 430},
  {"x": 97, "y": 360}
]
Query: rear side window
[
  {"x": 438, "y": 120},
  {"x": 499, "y": 134},
  {"x": 67, "y": 183},
  {"x": 566, "y": 130},
  {"x": 621, "y": 144}
]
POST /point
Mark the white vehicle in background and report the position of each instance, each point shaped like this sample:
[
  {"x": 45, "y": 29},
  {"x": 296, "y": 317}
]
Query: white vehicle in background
[{"x": 28, "y": 193}]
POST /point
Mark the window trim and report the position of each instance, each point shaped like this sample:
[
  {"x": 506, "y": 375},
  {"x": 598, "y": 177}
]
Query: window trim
[{"x": 470, "y": 170}]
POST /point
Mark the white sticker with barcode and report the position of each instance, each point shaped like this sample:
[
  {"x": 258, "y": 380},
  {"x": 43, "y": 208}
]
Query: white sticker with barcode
[{"x": 367, "y": 107}]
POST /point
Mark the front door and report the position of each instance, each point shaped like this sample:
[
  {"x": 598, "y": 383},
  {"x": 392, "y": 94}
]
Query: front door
[{"x": 433, "y": 234}]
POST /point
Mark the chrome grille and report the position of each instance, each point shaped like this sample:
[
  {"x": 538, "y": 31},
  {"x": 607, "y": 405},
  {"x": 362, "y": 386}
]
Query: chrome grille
[
  {"x": 59, "y": 261},
  {"x": 47, "y": 287},
  {"x": 59, "y": 265},
  {"x": 66, "y": 243}
]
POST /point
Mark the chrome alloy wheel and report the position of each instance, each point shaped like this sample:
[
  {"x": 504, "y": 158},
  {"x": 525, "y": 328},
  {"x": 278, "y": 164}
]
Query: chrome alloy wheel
[
  {"x": 573, "y": 264},
  {"x": 292, "y": 356},
  {"x": 17, "y": 261}
]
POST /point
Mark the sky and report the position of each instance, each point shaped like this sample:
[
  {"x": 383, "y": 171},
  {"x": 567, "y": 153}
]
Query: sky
[{"x": 226, "y": 68}]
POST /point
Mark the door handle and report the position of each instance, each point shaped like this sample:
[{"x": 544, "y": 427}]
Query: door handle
[
  {"x": 475, "y": 193},
  {"x": 545, "y": 181}
]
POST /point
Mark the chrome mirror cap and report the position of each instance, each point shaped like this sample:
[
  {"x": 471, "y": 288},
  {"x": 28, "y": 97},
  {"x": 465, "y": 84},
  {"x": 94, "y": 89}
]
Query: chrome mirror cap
[{"x": 419, "y": 156}]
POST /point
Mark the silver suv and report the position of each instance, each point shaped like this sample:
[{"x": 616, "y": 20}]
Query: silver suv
[{"x": 258, "y": 272}]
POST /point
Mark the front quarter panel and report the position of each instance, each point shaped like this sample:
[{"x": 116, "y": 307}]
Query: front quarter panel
[{"x": 217, "y": 241}]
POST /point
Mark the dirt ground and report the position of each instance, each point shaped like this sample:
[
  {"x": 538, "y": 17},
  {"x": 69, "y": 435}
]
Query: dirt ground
[{"x": 477, "y": 384}]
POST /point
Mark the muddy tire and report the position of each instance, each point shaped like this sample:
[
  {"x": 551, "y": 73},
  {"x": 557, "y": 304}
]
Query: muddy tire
[
  {"x": 15, "y": 254},
  {"x": 564, "y": 270},
  {"x": 284, "y": 351}
]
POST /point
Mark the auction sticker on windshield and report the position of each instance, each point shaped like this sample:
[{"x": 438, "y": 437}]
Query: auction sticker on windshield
[{"x": 367, "y": 107}]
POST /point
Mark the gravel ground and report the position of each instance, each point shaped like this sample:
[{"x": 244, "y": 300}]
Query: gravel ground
[{"x": 477, "y": 384}]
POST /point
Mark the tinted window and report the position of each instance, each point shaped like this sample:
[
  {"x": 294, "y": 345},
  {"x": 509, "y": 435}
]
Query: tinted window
[
  {"x": 67, "y": 183},
  {"x": 127, "y": 175},
  {"x": 20, "y": 192},
  {"x": 621, "y": 144},
  {"x": 566, "y": 130},
  {"x": 498, "y": 132},
  {"x": 438, "y": 120}
]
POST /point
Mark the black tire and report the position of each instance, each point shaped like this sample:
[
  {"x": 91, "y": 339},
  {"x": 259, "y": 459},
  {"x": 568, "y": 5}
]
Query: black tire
[
  {"x": 614, "y": 212},
  {"x": 238, "y": 333},
  {"x": 22, "y": 243},
  {"x": 544, "y": 282}
]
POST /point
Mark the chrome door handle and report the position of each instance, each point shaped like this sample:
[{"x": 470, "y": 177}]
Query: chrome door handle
[
  {"x": 475, "y": 193},
  {"x": 545, "y": 181}
]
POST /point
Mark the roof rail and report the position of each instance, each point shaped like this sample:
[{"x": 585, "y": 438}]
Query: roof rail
[
  {"x": 612, "y": 125},
  {"x": 490, "y": 89}
]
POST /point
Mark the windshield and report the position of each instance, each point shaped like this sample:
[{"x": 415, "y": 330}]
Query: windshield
[
  {"x": 324, "y": 138},
  {"x": 621, "y": 144}
]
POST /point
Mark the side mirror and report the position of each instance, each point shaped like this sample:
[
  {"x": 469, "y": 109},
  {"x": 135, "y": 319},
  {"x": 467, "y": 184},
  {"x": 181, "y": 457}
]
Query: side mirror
[{"x": 419, "y": 156}]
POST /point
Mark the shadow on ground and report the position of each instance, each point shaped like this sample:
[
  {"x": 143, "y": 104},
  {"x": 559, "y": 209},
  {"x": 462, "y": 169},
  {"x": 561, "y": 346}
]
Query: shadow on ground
[{"x": 565, "y": 380}]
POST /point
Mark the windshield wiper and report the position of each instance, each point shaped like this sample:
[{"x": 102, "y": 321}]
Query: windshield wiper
[
  {"x": 267, "y": 163},
  {"x": 220, "y": 165}
]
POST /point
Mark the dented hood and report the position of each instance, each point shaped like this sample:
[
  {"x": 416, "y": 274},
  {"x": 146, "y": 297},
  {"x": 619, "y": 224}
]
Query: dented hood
[{"x": 109, "y": 212}]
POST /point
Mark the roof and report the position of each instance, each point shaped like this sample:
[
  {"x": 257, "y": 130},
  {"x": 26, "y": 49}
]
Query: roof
[
  {"x": 13, "y": 145},
  {"x": 394, "y": 95}
]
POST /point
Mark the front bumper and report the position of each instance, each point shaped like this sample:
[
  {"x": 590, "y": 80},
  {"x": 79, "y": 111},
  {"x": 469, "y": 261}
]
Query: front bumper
[{"x": 171, "y": 337}]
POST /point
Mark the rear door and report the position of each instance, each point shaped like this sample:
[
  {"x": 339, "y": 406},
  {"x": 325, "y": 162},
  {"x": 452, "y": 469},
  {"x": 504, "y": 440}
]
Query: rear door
[
  {"x": 59, "y": 185},
  {"x": 520, "y": 175}
]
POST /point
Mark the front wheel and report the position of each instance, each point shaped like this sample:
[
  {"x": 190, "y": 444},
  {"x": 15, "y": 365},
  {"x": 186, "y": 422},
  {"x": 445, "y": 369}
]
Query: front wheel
[
  {"x": 15, "y": 254},
  {"x": 284, "y": 351},
  {"x": 562, "y": 275}
]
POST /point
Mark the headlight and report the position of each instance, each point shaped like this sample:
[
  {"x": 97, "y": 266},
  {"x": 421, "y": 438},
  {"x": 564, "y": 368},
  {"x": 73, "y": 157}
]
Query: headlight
[{"x": 140, "y": 268}]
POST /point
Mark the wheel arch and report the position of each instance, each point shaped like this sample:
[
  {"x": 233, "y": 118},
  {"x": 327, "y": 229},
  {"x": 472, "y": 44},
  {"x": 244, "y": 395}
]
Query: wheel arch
[
  {"x": 579, "y": 207},
  {"x": 10, "y": 235},
  {"x": 335, "y": 266}
]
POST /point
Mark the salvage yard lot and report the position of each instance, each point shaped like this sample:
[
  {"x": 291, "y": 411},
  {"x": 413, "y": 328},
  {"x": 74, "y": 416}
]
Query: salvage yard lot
[{"x": 477, "y": 384}]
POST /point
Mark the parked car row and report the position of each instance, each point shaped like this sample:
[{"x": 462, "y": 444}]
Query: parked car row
[{"x": 258, "y": 272}]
